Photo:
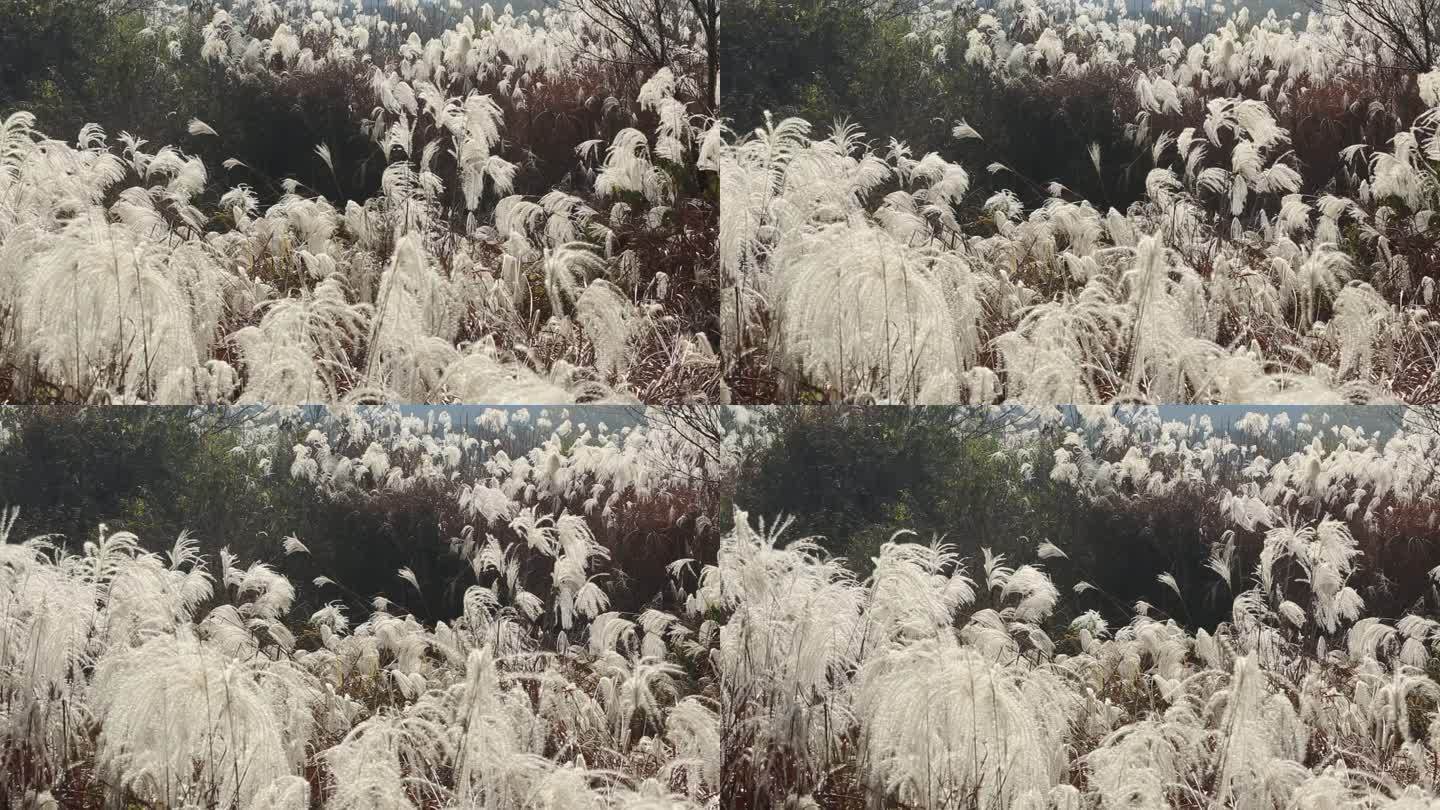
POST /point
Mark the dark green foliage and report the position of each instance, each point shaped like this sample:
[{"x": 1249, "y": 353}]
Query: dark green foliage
[
  {"x": 140, "y": 468},
  {"x": 158, "y": 471},
  {"x": 826, "y": 60},
  {"x": 857, "y": 475},
  {"x": 75, "y": 61}
]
